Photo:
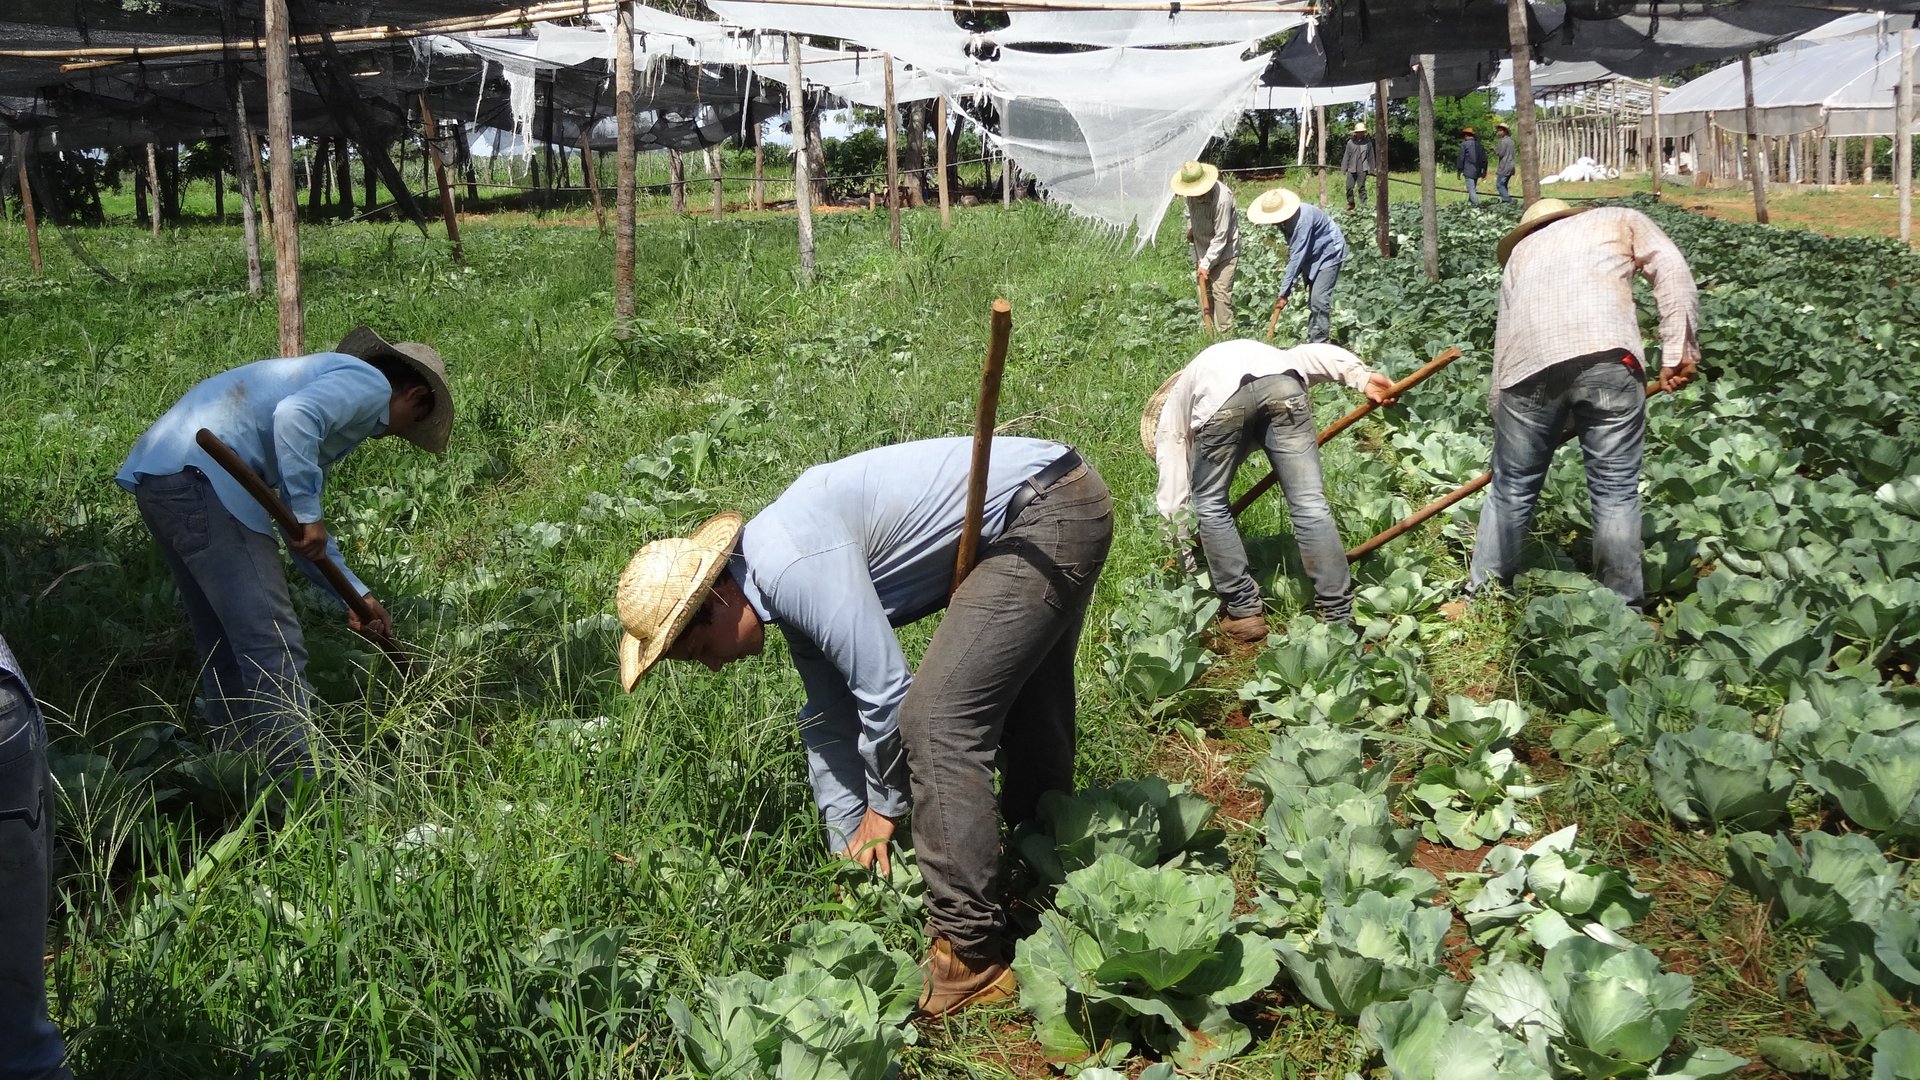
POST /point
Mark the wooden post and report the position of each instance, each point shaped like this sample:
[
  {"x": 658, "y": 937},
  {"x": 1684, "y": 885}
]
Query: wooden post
[
  {"x": 1866, "y": 158},
  {"x": 1659, "y": 151},
  {"x": 1429, "y": 215},
  {"x": 592, "y": 178},
  {"x": 802, "y": 182},
  {"x": 719, "y": 193},
  {"x": 26, "y": 202},
  {"x": 440, "y": 176},
  {"x": 1006, "y": 174},
  {"x": 893, "y": 155},
  {"x": 940, "y": 155},
  {"x": 759, "y": 171},
  {"x": 286, "y": 238},
  {"x": 241, "y": 139},
  {"x": 153, "y": 190},
  {"x": 1755, "y": 165},
  {"x": 1903, "y": 138},
  {"x": 677, "y": 180},
  {"x": 623, "y": 170},
  {"x": 1320, "y": 149},
  {"x": 1381, "y": 234},
  {"x": 265, "y": 202},
  {"x": 1520, "y": 44},
  {"x": 316, "y": 176}
]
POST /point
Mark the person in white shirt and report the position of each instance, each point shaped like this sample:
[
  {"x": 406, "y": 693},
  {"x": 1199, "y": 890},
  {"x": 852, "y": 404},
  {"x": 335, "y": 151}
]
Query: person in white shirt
[
  {"x": 1213, "y": 237},
  {"x": 1235, "y": 397}
]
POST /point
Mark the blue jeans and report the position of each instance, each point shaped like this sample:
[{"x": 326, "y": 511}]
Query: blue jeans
[
  {"x": 1320, "y": 303},
  {"x": 30, "y": 1047},
  {"x": 1500, "y": 182},
  {"x": 253, "y": 658},
  {"x": 1473, "y": 190},
  {"x": 1273, "y": 413},
  {"x": 1603, "y": 401}
]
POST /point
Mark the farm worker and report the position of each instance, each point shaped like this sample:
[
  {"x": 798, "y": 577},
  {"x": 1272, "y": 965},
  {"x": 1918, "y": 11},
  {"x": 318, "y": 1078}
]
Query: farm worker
[
  {"x": 1503, "y": 153},
  {"x": 1234, "y": 398},
  {"x": 290, "y": 419},
  {"x": 1566, "y": 355},
  {"x": 1315, "y": 250},
  {"x": 30, "y": 1047},
  {"x": 1473, "y": 164},
  {"x": 1357, "y": 163},
  {"x": 1213, "y": 236},
  {"x": 853, "y": 549}
]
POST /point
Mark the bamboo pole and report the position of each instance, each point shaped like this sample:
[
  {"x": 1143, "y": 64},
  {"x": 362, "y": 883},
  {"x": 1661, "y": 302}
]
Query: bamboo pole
[
  {"x": 1903, "y": 138},
  {"x": 286, "y": 238},
  {"x": 1320, "y": 149},
  {"x": 712, "y": 154},
  {"x": 802, "y": 182},
  {"x": 1520, "y": 44},
  {"x": 1429, "y": 210},
  {"x": 893, "y": 155},
  {"x": 1381, "y": 234},
  {"x": 26, "y": 205},
  {"x": 940, "y": 155},
  {"x": 446, "y": 185},
  {"x": 592, "y": 177},
  {"x": 1659, "y": 151},
  {"x": 1754, "y": 163},
  {"x": 623, "y": 171}
]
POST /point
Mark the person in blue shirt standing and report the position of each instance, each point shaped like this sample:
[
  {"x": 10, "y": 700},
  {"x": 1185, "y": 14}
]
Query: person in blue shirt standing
[
  {"x": 853, "y": 549},
  {"x": 1316, "y": 248},
  {"x": 30, "y": 1046},
  {"x": 290, "y": 419},
  {"x": 1473, "y": 164}
]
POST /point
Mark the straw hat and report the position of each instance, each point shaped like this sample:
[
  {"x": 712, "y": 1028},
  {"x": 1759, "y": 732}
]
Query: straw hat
[
  {"x": 1150, "y": 416},
  {"x": 1273, "y": 207},
  {"x": 1195, "y": 179},
  {"x": 1359, "y": 129},
  {"x": 1502, "y": 127},
  {"x": 1538, "y": 216},
  {"x": 1464, "y": 132},
  {"x": 431, "y": 432},
  {"x": 662, "y": 588}
]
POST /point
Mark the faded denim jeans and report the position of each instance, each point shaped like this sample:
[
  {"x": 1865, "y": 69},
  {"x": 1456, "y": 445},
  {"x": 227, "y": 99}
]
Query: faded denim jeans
[
  {"x": 30, "y": 1047},
  {"x": 1273, "y": 413},
  {"x": 252, "y": 655},
  {"x": 1320, "y": 303},
  {"x": 1500, "y": 183},
  {"x": 1603, "y": 402},
  {"x": 997, "y": 682}
]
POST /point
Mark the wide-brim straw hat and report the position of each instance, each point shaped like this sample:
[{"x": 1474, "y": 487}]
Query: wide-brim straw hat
[
  {"x": 1195, "y": 178},
  {"x": 1274, "y": 206},
  {"x": 662, "y": 587},
  {"x": 1359, "y": 129},
  {"x": 1538, "y": 216},
  {"x": 1150, "y": 416},
  {"x": 430, "y": 432}
]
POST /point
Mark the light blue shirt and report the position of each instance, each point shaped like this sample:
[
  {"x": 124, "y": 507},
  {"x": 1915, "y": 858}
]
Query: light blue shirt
[
  {"x": 853, "y": 549},
  {"x": 290, "y": 419},
  {"x": 1314, "y": 245}
]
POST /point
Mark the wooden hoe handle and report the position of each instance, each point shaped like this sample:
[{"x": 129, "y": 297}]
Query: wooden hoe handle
[{"x": 983, "y": 414}]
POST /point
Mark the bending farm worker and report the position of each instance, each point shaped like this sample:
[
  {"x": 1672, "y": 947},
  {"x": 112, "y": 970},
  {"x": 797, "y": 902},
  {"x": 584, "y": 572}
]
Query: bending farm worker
[
  {"x": 1315, "y": 251},
  {"x": 1473, "y": 164},
  {"x": 289, "y": 419},
  {"x": 1213, "y": 236},
  {"x": 1566, "y": 355},
  {"x": 30, "y": 1046},
  {"x": 1234, "y": 398},
  {"x": 1357, "y": 163},
  {"x": 1503, "y": 157},
  {"x": 853, "y": 549}
]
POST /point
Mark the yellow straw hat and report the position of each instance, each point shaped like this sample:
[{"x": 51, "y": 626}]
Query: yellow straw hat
[
  {"x": 1538, "y": 216},
  {"x": 1150, "y": 416},
  {"x": 662, "y": 588},
  {"x": 430, "y": 432},
  {"x": 1359, "y": 129},
  {"x": 1274, "y": 207},
  {"x": 1195, "y": 179}
]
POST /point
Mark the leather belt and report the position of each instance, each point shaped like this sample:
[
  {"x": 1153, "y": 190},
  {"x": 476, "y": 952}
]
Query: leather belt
[{"x": 1061, "y": 467}]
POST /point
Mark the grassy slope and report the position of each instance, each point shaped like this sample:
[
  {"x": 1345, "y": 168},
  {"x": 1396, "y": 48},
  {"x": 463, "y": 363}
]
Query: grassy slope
[{"x": 334, "y": 946}]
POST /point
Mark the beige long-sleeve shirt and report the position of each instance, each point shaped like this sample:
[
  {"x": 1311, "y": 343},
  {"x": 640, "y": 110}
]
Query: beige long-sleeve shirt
[
  {"x": 1214, "y": 222},
  {"x": 1568, "y": 292},
  {"x": 1211, "y": 379}
]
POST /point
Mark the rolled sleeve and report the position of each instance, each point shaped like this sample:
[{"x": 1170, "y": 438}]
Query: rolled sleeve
[{"x": 1674, "y": 292}]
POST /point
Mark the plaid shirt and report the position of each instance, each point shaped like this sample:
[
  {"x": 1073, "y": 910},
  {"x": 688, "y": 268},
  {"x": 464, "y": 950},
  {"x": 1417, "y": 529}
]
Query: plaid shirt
[{"x": 1568, "y": 292}]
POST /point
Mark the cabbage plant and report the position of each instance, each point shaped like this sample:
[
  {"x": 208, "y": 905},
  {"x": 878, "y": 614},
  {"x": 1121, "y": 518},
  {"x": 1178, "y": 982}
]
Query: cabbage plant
[
  {"x": 1826, "y": 882},
  {"x": 1877, "y": 783},
  {"x": 1299, "y": 882},
  {"x": 1548, "y": 892},
  {"x": 1473, "y": 801},
  {"x": 1311, "y": 755},
  {"x": 1714, "y": 777},
  {"x": 1420, "y": 1041},
  {"x": 1470, "y": 725},
  {"x": 1378, "y": 948},
  {"x": 1148, "y": 822}
]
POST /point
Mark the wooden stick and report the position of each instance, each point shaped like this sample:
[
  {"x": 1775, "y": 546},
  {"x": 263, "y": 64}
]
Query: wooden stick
[
  {"x": 1273, "y": 321},
  {"x": 286, "y": 214},
  {"x": 623, "y": 205},
  {"x": 446, "y": 186},
  {"x": 1206, "y": 305},
  {"x": 1419, "y": 376},
  {"x": 802, "y": 182},
  {"x": 983, "y": 415},
  {"x": 592, "y": 181},
  {"x": 237, "y": 467},
  {"x": 26, "y": 207},
  {"x": 893, "y": 155},
  {"x": 940, "y": 152}
]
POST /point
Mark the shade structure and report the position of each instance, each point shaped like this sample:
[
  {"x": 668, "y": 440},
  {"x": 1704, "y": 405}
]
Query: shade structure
[{"x": 1843, "y": 87}]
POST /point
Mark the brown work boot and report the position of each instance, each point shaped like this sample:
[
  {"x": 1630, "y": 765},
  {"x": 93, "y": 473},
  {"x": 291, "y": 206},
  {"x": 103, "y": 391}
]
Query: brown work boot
[
  {"x": 950, "y": 981},
  {"x": 1249, "y": 628}
]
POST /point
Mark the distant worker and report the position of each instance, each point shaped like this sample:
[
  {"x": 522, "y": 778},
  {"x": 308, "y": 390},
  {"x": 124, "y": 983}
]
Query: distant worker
[
  {"x": 291, "y": 419},
  {"x": 1503, "y": 154},
  {"x": 1234, "y": 398},
  {"x": 1473, "y": 164},
  {"x": 30, "y": 1046},
  {"x": 853, "y": 549},
  {"x": 1567, "y": 355},
  {"x": 1357, "y": 163},
  {"x": 1213, "y": 237},
  {"x": 1315, "y": 250}
]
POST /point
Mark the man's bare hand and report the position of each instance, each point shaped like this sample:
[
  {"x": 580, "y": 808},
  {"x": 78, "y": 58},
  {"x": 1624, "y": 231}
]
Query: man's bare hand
[
  {"x": 1200, "y": 274},
  {"x": 381, "y": 624},
  {"x": 1379, "y": 389},
  {"x": 310, "y": 543},
  {"x": 868, "y": 845},
  {"x": 1675, "y": 378}
]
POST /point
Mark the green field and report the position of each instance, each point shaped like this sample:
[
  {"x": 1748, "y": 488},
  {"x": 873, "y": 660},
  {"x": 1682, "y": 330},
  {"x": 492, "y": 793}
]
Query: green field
[{"x": 519, "y": 867}]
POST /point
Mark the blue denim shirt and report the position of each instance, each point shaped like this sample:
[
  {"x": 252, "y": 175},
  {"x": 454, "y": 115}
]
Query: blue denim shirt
[
  {"x": 1314, "y": 245},
  {"x": 290, "y": 419},
  {"x": 853, "y": 549}
]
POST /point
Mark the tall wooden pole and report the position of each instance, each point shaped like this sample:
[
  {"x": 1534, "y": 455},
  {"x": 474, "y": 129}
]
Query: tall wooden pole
[
  {"x": 1429, "y": 211},
  {"x": 26, "y": 203},
  {"x": 446, "y": 183},
  {"x": 802, "y": 183},
  {"x": 592, "y": 177},
  {"x": 940, "y": 154},
  {"x": 153, "y": 190},
  {"x": 242, "y": 140},
  {"x": 1903, "y": 138},
  {"x": 286, "y": 238},
  {"x": 719, "y": 191},
  {"x": 1756, "y": 167},
  {"x": 1320, "y": 149},
  {"x": 1520, "y": 44},
  {"x": 759, "y": 171},
  {"x": 623, "y": 170},
  {"x": 1659, "y": 151},
  {"x": 893, "y": 155},
  {"x": 1006, "y": 174},
  {"x": 1381, "y": 234}
]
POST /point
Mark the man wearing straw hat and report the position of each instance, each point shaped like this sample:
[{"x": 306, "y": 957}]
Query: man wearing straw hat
[
  {"x": 1503, "y": 161},
  {"x": 853, "y": 549},
  {"x": 1567, "y": 355},
  {"x": 1315, "y": 250},
  {"x": 1213, "y": 237},
  {"x": 290, "y": 419},
  {"x": 1473, "y": 164},
  {"x": 1234, "y": 398},
  {"x": 1357, "y": 163}
]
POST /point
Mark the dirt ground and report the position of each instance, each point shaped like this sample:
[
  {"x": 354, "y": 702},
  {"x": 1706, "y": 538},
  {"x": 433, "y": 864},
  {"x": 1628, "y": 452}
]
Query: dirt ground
[{"x": 1851, "y": 210}]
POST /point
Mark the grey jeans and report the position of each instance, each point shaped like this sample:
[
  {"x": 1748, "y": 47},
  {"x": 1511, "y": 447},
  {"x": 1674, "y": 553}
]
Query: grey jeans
[
  {"x": 30, "y": 1047},
  {"x": 252, "y": 655},
  {"x": 1320, "y": 303},
  {"x": 1273, "y": 413},
  {"x": 997, "y": 681}
]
